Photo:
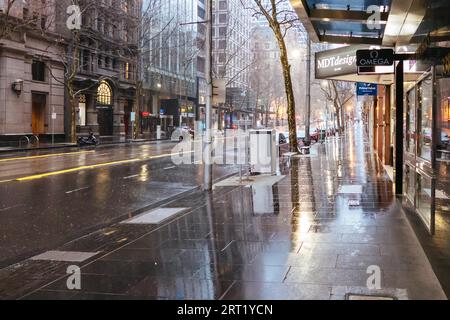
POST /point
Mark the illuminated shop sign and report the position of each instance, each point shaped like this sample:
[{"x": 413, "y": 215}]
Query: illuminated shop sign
[
  {"x": 366, "y": 89},
  {"x": 371, "y": 58},
  {"x": 337, "y": 62}
]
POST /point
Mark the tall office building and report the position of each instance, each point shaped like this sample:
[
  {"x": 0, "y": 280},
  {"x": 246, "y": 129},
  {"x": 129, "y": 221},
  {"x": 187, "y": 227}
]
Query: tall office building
[
  {"x": 169, "y": 62},
  {"x": 232, "y": 58}
]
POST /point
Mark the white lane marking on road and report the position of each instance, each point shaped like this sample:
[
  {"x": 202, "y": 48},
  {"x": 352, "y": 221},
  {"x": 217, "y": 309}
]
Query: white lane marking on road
[
  {"x": 8, "y": 208},
  {"x": 228, "y": 245},
  {"x": 64, "y": 256},
  {"x": 168, "y": 168},
  {"x": 131, "y": 177},
  {"x": 76, "y": 190},
  {"x": 156, "y": 216}
]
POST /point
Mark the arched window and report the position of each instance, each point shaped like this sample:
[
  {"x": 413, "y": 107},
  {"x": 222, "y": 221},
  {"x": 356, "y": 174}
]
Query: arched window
[{"x": 104, "y": 94}]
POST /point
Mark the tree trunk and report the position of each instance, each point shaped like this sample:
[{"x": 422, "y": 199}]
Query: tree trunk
[
  {"x": 289, "y": 91},
  {"x": 73, "y": 119},
  {"x": 137, "y": 110},
  {"x": 338, "y": 117}
]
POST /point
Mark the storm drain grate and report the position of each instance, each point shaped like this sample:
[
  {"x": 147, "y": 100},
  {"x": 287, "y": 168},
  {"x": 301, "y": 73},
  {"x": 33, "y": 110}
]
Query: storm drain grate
[
  {"x": 362, "y": 297},
  {"x": 157, "y": 216}
]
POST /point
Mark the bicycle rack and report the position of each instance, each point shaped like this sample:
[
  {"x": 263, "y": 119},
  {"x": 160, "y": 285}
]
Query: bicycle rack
[
  {"x": 36, "y": 138},
  {"x": 26, "y": 139}
]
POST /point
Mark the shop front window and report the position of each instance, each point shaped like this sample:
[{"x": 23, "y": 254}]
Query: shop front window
[
  {"x": 426, "y": 117},
  {"x": 411, "y": 122},
  {"x": 443, "y": 143},
  {"x": 81, "y": 115},
  {"x": 410, "y": 184},
  {"x": 424, "y": 199}
]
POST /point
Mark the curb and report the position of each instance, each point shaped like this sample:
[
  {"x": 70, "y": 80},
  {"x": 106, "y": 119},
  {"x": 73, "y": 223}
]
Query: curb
[{"x": 76, "y": 146}]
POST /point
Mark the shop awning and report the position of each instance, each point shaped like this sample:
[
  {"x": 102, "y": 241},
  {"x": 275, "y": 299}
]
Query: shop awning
[{"x": 338, "y": 21}]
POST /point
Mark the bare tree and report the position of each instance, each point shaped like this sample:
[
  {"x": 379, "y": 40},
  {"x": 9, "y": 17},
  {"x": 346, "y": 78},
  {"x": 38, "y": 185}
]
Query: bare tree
[
  {"x": 281, "y": 19},
  {"x": 16, "y": 15},
  {"x": 339, "y": 93},
  {"x": 268, "y": 90},
  {"x": 121, "y": 40}
]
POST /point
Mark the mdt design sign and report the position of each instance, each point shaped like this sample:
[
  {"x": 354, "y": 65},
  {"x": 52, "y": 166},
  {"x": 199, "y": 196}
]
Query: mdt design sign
[
  {"x": 370, "y": 58},
  {"x": 366, "y": 89},
  {"x": 336, "y": 62}
]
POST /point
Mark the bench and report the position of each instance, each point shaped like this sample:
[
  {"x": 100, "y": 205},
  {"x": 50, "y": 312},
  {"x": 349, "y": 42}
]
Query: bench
[{"x": 305, "y": 149}]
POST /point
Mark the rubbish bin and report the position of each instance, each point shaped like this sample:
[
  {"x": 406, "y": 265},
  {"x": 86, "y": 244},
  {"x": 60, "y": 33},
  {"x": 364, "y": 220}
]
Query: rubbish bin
[{"x": 263, "y": 151}]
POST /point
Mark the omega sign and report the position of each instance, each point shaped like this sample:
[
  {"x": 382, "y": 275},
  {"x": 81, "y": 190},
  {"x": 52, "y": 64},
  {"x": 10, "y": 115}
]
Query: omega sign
[{"x": 370, "y": 58}]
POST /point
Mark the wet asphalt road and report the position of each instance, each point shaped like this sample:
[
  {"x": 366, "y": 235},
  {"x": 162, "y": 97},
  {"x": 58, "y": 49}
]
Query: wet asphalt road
[
  {"x": 294, "y": 237},
  {"x": 86, "y": 189}
]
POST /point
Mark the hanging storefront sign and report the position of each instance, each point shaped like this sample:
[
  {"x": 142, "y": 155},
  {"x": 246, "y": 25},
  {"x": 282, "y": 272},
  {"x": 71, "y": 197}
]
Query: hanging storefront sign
[
  {"x": 371, "y": 58},
  {"x": 337, "y": 62},
  {"x": 366, "y": 89}
]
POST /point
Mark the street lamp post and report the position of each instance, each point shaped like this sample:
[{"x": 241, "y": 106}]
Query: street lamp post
[
  {"x": 308, "y": 91},
  {"x": 208, "y": 168}
]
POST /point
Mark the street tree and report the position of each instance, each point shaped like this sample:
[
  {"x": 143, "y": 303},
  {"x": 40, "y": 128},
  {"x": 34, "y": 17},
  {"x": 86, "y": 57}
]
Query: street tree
[
  {"x": 281, "y": 18},
  {"x": 268, "y": 90},
  {"x": 16, "y": 15},
  {"x": 339, "y": 93},
  {"x": 85, "y": 25}
]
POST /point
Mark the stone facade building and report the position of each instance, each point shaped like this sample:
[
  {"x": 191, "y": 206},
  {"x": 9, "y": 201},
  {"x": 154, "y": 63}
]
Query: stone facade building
[
  {"x": 36, "y": 51},
  {"x": 108, "y": 60},
  {"x": 31, "y": 72}
]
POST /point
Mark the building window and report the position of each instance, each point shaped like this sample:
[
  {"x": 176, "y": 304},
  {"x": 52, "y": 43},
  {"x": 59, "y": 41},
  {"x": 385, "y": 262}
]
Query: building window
[
  {"x": 104, "y": 94},
  {"x": 425, "y": 118},
  {"x": 38, "y": 71},
  {"x": 127, "y": 71},
  {"x": 82, "y": 111}
]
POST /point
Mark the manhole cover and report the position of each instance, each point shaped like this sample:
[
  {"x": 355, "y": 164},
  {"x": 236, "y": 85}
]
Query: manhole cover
[{"x": 367, "y": 297}]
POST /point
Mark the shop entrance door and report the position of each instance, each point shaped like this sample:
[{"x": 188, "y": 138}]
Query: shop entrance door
[
  {"x": 127, "y": 120},
  {"x": 105, "y": 121},
  {"x": 38, "y": 103}
]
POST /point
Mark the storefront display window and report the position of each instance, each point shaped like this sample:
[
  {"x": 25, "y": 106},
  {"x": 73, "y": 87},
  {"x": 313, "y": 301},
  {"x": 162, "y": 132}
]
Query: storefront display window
[
  {"x": 410, "y": 184},
  {"x": 411, "y": 122},
  {"x": 423, "y": 200},
  {"x": 443, "y": 144},
  {"x": 425, "y": 118}
]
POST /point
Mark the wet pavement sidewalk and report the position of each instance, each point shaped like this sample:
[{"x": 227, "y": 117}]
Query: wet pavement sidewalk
[{"x": 311, "y": 233}]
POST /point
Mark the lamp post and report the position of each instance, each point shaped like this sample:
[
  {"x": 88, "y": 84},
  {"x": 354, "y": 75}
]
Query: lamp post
[{"x": 208, "y": 168}]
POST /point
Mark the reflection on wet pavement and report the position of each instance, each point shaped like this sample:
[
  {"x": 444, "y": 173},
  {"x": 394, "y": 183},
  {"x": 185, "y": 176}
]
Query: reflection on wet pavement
[{"x": 300, "y": 239}]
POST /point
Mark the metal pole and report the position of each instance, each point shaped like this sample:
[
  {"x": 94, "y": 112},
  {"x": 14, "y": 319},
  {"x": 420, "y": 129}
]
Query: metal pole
[
  {"x": 208, "y": 168},
  {"x": 399, "y": 128},
  {"x": 308, "y": 91}
]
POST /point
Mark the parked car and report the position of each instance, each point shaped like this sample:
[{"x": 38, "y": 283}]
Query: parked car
[{"x": 301, "y": 135}]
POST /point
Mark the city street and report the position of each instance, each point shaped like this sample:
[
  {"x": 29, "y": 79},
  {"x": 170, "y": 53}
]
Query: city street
[
  {"x": 214, "y": 152},
  {"x": 323, "y": 223},
  {"x": 48, "y": 199}
]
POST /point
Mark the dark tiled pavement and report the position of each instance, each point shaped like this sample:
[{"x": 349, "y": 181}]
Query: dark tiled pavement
[{"x": 311, "y": 244}]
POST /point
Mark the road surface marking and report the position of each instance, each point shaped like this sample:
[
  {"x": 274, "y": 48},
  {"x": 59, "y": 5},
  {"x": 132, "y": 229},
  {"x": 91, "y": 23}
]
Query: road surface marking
[
  {"x": 131, "y": 177},
  {"x": 8, "y": 208},
  {"x": 94, "y": 166},
  {"x": 46, "y": 156},
  {"x": 168, "y": 168},
  {"x": 76, "y": 190},
  {"x": 228, "y": 245}
]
